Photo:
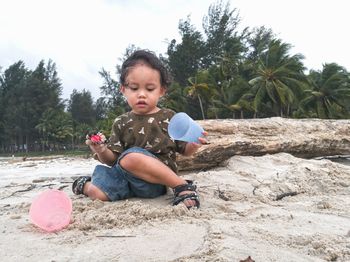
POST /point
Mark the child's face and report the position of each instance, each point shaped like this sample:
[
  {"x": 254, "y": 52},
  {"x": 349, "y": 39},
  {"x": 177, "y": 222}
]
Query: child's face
[{"x": 143, "y": 89}]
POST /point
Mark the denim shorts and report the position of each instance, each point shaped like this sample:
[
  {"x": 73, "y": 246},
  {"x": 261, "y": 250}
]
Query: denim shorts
[{"x": 117, "y": 183}]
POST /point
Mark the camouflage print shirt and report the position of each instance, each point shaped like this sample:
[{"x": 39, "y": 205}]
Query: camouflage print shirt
[{"x": 149, "y": 132}]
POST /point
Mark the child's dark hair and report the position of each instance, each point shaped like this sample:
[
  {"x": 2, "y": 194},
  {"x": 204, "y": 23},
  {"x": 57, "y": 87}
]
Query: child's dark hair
[{"x": 151, "y": 60}]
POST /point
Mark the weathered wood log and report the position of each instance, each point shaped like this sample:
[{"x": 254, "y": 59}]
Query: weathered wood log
[{"x": 305, "y": 138}]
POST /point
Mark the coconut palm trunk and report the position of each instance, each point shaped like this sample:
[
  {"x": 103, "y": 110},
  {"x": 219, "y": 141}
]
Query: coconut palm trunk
[{"x": 201, "y": 105}]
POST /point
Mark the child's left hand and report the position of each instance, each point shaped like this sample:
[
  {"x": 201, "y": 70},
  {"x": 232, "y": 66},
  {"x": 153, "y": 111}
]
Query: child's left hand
[
  {"x": 192, "y": 147},
  {"x": 203, "y": 140}
]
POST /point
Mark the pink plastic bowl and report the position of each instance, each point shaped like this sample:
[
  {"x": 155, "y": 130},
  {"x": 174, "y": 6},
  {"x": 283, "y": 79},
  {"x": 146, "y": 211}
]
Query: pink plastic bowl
[{"x": 51, "y": 210}]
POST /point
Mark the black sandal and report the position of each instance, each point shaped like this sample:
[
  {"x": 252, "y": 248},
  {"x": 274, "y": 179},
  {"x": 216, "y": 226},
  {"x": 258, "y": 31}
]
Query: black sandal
[
  {"x": 79, "y": 183},
  {"x": 191, "y": 196}
]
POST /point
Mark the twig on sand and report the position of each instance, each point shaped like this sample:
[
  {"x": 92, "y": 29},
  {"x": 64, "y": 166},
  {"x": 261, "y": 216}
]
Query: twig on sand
[
  {"x": 222, "y": 195},
  {"x": 16, "y": 185},
  {"x": 255, "y": 188},
  {"x": 48, "y": 185},
  {"x": 279, "y": 197},
  {"x": 61, "y": 187},
  {"x": 32, "y": 186}
]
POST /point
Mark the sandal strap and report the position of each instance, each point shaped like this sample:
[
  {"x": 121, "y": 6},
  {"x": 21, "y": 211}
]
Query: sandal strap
[
  {"x": 185, "y": 187},
  {"x": 78, "y": 184},
  {"x": 191, "y": 196}
]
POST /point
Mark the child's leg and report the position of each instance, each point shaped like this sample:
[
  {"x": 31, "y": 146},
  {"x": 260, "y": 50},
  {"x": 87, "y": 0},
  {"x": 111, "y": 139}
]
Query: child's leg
[
  {"x": 152, "y": 170},
  {"x": 83, "y": 185},
  {"x": 106, "y": 184},
  {"x": 94, "y": 192}
]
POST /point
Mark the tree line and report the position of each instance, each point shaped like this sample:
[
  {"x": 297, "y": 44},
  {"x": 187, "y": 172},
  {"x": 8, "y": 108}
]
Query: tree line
[{"x": 218, "y": 72}]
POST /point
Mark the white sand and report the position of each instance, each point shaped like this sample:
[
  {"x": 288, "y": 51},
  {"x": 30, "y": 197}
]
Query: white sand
[{"x": 239, "y": 216}]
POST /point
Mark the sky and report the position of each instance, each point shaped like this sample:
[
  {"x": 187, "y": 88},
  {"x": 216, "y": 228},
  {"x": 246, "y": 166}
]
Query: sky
[{"x": 84, "y": 36}]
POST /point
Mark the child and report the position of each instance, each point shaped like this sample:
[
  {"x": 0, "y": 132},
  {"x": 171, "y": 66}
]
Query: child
[{"x": 140, "y": 154}]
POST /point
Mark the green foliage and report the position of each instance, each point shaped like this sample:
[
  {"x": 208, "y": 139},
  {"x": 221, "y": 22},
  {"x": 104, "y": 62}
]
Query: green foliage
[
  {"x": 278, "y": 80},
  {"x": 202, "y": 86},
  {"x": 112, "y": 99},
  {"x": 25, "y": 96},
  {"x": 81, "y": 107},
  {"x": 249, "y": 73},
  {"x": 222, "y": 37},
  {"x": 175, "y": 98},
  {"x": 218, "y": 72},
  {"x": 235, "y": 99},
  {"x": 105, "y": 125},
  {"x": 329, "y": 92},
  {"x": 184, "y": 59},
  {"x": 55, "y": 126}
]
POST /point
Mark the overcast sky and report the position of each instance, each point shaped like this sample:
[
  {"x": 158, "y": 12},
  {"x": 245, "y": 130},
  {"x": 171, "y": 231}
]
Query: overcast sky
[{"x": 82, "y": 36}]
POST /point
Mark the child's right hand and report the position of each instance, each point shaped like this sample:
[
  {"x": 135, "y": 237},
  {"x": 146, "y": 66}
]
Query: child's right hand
[
  {"x": 96, "y": 142},
  {"x": 96, "y": 148}
]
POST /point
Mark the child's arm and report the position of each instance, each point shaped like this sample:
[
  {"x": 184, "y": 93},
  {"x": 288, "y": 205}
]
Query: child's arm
[
  {"x": 104, "y": 154},
  {"x": 192, "y": 148},
  {"x": 98, "y": 144}
]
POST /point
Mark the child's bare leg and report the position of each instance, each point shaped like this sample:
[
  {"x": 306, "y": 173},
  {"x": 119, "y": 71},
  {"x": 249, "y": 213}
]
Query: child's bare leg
[
  {"x": 150, "y": 169},
  {"x": 94, "y": 192},
  {"x": 153, "y": 171}
]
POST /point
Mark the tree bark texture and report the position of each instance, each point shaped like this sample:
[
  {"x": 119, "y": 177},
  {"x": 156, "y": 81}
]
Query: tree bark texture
[{"x": 305, "y": 138}]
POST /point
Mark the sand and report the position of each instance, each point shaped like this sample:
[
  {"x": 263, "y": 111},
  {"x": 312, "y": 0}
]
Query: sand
[{"x": 272, "y": 208}]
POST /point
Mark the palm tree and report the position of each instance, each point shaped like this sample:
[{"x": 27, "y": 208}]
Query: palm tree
[
  {"x": 232, "y": 97},
  {"x": 330, "y": 92},
  {"x": 55, "y": 126},
  {"x": 63, "y": 129},
  {"x": 244, "y": 104},
  {"x": 279, "y": 78},
  {"x": 45, "y": 127},
  {"x": 175, "y": 98},
  {"x": 201, "y": 86}
]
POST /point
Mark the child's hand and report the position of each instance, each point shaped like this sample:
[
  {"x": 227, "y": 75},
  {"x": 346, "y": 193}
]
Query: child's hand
[
  {"x": 191, "y": 148},
  {"x": 203, "y": 140},
  {"x": 96, "y": 138},
  {"x": 96, "y": 142}
]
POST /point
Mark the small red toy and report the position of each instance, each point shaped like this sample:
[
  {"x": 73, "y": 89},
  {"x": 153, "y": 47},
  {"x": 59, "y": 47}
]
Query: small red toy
[{"x": 97, "y": 138}]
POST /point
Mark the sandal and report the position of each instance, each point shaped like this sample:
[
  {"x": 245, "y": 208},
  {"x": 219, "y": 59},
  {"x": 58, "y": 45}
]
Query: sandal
[
  {"x": 190, "y": 196},
  {"x": 79, "y": 183}
]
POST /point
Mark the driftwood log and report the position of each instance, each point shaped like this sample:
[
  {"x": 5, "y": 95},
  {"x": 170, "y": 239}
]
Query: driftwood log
[{"x": 305, "y": 138}]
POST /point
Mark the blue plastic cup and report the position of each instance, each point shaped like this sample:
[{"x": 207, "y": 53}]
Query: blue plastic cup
[{"x": 184, "y": 128}]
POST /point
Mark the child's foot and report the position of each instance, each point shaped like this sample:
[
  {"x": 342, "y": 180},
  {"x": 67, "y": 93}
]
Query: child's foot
[
  {"x": 79, "y": 183},
  {"x": 187, "y": 194}
]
